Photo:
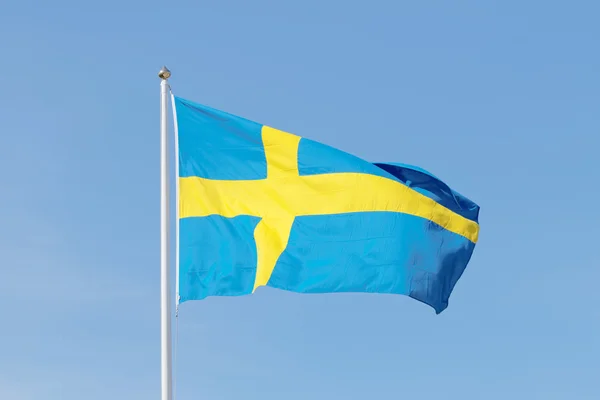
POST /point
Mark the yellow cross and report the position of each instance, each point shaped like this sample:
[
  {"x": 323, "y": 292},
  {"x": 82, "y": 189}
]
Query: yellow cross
[{"x": 284, "y": 195}]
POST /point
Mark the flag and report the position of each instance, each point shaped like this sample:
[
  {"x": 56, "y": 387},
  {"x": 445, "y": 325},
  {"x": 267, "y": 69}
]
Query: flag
[{"x": 258, "y": 206}]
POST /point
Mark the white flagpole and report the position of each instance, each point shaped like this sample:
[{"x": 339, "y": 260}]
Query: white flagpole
[{"x": 165, "y": 303}]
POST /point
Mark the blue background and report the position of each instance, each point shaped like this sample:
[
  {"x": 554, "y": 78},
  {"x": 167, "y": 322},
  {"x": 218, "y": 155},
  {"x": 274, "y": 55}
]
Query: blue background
[{"x": 499, "y": 99}]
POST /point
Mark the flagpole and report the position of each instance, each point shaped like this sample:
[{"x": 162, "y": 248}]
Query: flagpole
[{"x": 165, "y": 304}]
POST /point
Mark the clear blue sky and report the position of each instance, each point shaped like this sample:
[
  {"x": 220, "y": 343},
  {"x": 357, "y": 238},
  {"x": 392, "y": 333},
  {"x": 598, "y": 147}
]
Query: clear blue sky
[{"x": 499, "y": 99}]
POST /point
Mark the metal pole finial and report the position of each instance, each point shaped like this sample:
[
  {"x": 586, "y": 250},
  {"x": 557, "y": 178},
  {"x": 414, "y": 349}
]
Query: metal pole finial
[{"x": 164, "y": 73}]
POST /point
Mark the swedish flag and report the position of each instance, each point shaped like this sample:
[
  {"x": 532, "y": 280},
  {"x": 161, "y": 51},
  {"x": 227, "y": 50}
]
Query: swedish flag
[{"x": 262, "y": 207}]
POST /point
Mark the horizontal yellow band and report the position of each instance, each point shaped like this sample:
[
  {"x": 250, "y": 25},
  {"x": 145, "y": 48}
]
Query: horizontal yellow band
[{"x": 291, "y": 196}]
